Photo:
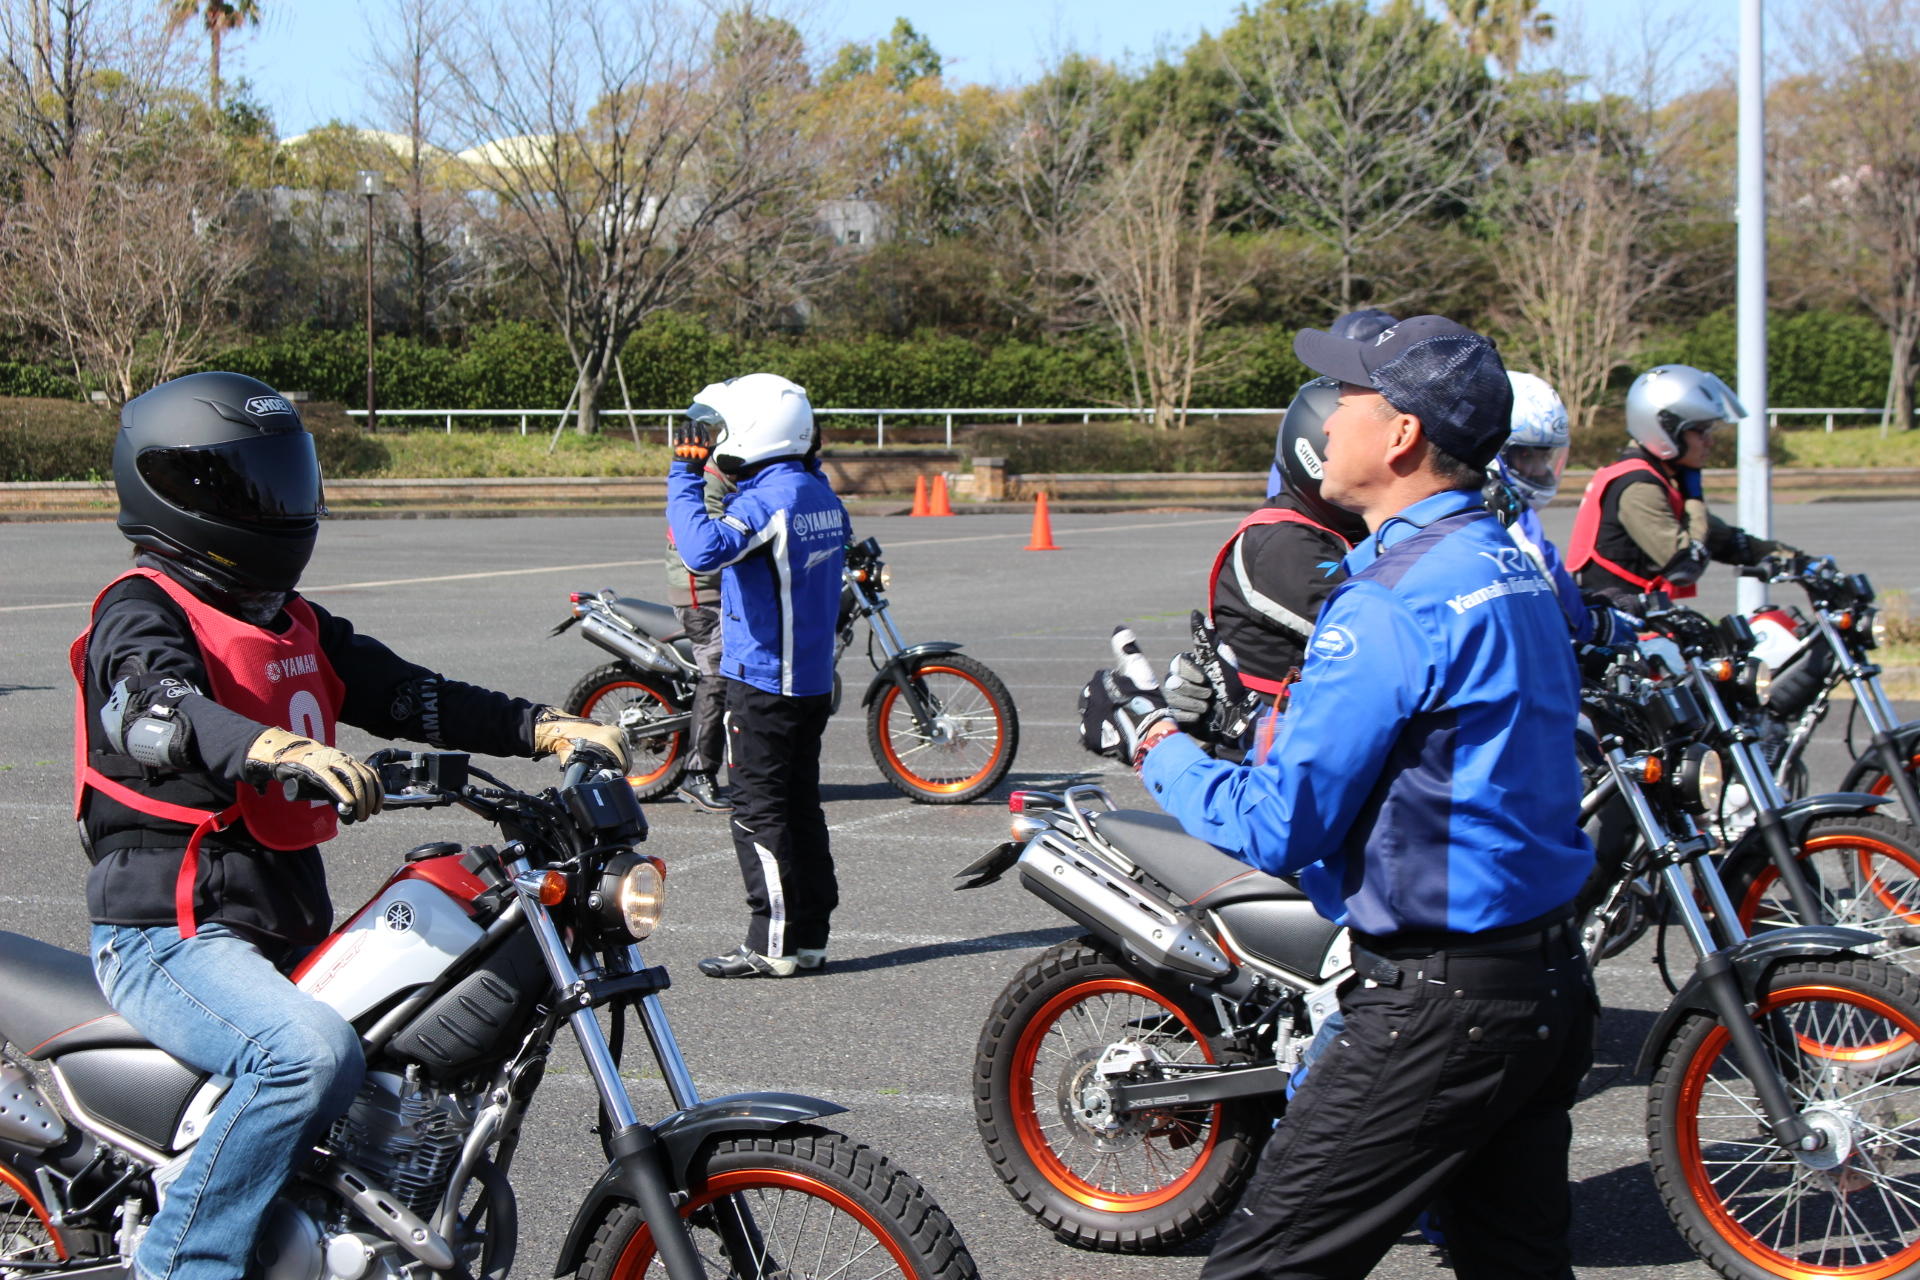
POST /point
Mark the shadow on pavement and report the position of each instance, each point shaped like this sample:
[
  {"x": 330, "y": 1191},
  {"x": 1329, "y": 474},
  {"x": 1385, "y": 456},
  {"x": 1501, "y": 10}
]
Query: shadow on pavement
[{"x": 1026, "y": 938}]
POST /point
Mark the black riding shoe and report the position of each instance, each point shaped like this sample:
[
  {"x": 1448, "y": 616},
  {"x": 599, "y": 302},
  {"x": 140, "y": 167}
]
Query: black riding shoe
[
  {"x": 702, "y": 792},
  {"x": 748, "y": 963}
]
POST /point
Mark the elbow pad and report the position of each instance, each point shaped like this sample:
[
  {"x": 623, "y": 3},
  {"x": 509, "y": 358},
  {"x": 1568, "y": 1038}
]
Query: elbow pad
[{"x": 142, "y": 719}]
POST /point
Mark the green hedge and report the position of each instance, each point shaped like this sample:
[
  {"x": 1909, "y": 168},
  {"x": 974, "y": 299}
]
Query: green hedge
[
  {"x": 52, "y": 439},
  {"x": 17, "y": 379},
  {"x": 1815, "y": 359},
  {"x": 1228, "y": 444}
]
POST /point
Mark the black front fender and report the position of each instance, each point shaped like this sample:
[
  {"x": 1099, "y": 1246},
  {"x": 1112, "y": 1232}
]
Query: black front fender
[
  {"x": 683, "y": 1134},
  {"x": 1796, "y": 816},
  {"x": 1906, "y": 741},
  {"x": 1751, "y": 961},
  {"x": 905, "y": 661}
]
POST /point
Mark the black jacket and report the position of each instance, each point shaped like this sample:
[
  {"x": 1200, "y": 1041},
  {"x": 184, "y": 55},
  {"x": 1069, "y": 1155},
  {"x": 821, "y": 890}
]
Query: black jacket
[
  {"x": 1270, "y": 590},
  {"x": 275, "y": 898}
]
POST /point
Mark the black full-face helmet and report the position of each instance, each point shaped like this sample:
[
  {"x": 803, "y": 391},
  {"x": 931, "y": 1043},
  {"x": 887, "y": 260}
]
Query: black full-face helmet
[
  {"x": 217, "y": 470},
  {"x": 1301, "y": 454}
]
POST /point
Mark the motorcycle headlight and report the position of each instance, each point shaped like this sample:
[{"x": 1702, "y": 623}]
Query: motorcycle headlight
[
  {"x": 886, "y": 577},
  {"x": 1703, "y": 778},
  {"x": 1877, "y": 633},
  {"x": 632, "y": 894},
  {"x": 1762, "y": 680}
]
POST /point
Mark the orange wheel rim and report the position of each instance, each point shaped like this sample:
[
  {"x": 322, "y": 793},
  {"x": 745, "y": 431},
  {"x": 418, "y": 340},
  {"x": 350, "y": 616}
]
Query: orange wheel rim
[
  {"x": 1866, "y": 850},
  {"x": 638, "y": 1255},
  {"x": 949, "y": 786},
  {"x": 1032, "y": 1133},
  {"x": 1884, "y": 783},
  {"x": 1700, "y": 1183},
  {"x": 673, "y": 739},
  {"x": 27, "y": 1196}
]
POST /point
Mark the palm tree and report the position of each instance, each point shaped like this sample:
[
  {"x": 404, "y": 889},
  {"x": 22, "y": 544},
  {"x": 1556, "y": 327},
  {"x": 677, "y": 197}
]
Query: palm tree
[
  {"x": 1500, "y": 29},
  {"x": 219, "y": 17}
]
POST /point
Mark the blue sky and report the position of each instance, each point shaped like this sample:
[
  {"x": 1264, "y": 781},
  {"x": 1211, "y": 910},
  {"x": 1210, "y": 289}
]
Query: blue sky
[{"x": 308, "y": 60}]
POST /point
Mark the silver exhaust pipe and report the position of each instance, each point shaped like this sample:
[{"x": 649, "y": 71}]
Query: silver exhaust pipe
[
  {"x": 1100, "y": 897},
  {"x": 642, "y": 651}
]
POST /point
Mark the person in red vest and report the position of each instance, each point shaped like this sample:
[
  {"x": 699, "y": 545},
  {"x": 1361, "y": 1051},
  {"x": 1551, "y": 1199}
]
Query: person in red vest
[
  {"x": 205, "y": 685},
  {"x": 1270, "y": 577},
  {"x": 1643, "y": 523}
]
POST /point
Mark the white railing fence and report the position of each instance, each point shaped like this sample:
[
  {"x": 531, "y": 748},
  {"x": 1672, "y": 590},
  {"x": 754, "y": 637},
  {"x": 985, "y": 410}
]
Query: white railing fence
[
  {"x": 544, "y": 418},
  {"x": 541, "y": 419}
]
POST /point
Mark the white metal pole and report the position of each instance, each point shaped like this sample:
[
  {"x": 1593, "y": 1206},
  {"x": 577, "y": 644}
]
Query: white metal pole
[{"x": 1756, "y": 470}]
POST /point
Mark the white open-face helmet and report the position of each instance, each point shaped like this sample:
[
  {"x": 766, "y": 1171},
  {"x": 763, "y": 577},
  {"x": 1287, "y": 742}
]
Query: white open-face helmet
[
  {"x": 761, "y": 417},
  {"x": 1536, "y": 450},
  {"x": 1672, "y": 398}
]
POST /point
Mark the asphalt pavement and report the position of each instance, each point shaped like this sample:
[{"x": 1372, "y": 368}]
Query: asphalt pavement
[{"x": 889, "y": 1032}]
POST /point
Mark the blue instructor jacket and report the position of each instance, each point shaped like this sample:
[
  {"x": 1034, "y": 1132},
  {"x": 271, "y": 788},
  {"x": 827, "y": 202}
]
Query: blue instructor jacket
[
  {"x": 1423, "y": 779},
  {"x": 781, "y": 541}
]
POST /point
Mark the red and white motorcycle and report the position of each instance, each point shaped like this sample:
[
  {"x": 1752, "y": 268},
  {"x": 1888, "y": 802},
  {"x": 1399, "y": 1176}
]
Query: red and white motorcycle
[{"x": 458, "y": 975}]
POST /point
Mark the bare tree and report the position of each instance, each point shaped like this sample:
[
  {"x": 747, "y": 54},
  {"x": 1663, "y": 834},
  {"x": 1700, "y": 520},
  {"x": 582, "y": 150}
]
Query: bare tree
[
  {"x": 1575, "y": 266},
  {"x": 1584, "y": 202},
  {"x": 1354, "y": 121},
  {"x": 74, "y": 71},
  {"x": 600, "y": 161},
  {"x": 1056, "y": 149},
  {"x": 1145, "y": 250},
  {"x": 773, "y": 132},
  {"x": 409, "y": 89},
  {"x": 118, "y": 250},
  {"x": 1850, "y": 165},
  {"x": 126, "y": 273}
]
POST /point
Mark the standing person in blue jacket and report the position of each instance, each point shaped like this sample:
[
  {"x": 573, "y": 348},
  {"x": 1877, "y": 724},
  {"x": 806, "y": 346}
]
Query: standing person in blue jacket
[
  {"x": 1423, "y": 788},
  {"x": 780, "y": 544}
]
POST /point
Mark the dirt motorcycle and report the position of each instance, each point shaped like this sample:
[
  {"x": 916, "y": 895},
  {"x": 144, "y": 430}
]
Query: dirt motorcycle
[
  {"x": 458, "y": 975},
  {"x": 1807, "y": 660},
  {"x": 1836, "y": 858},
  {"x": 941, "y": 726},
  {"x": 1124, "y": 1083},
  {"x": 1782, "y": 1128}
]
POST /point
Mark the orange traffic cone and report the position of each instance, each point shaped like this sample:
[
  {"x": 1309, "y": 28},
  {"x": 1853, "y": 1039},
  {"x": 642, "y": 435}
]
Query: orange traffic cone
[
  {"x": 919, "y": 496},
  {"x": 940, "y": 507},
  {"x": 1042, "y": 539}
]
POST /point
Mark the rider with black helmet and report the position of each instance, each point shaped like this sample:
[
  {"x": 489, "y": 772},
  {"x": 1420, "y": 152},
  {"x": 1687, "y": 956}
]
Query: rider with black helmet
[{"x": 206, "y": 684}]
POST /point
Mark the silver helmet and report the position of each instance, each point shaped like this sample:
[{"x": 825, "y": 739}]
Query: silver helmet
[{"x": 1670, "y": 399}]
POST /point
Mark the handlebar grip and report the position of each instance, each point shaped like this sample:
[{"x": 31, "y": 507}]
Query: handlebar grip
[{"x": 1753, "y": 571}]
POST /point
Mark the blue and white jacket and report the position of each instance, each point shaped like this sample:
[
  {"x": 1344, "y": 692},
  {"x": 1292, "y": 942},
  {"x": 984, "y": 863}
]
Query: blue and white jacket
[
  {"x": 1528, "y": 534},
  {"x": 781, "y": 543},
  {"x": 1423, "y": 779}
]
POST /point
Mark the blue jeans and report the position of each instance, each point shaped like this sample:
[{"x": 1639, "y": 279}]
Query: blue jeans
[{"x": 214, "y": 1002}]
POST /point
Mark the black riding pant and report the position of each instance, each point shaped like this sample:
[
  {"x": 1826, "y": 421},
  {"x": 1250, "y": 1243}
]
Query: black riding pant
[
  {"x": 779, "y": 828},
  {"x": 1460, "y": 1074},
  {"x": 706, "y": 750}
]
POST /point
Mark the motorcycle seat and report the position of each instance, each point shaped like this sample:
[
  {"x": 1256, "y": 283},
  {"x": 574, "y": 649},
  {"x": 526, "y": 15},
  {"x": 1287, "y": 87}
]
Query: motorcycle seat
[
  {"x": 657, "y": 620},
  {"x": 53, "y": 1004},
  {"x": 1199, "y": 872}
]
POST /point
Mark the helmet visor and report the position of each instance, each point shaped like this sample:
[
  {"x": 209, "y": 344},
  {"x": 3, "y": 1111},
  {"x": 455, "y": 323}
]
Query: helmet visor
[
  {"x": 268, "y": 481},
  {"x": 1538, "y": 464}
]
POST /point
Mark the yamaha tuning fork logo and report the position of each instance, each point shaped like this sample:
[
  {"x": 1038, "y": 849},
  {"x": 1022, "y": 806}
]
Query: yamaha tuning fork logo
[{"x": 399, "y": 916}]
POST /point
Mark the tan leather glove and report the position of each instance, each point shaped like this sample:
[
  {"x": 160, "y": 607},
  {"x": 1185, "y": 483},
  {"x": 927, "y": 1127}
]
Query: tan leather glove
[
  {"x": 283, "y": 756},
  {"x": 555, "y": 733}
]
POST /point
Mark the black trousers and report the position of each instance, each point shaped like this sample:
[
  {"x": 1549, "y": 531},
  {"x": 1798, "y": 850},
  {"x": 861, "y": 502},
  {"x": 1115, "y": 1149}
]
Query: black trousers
[
  {"x": 779, "y": 828},
  {"x": 706, "y": 738},
  {"x": 1462, "y": 1075}
]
